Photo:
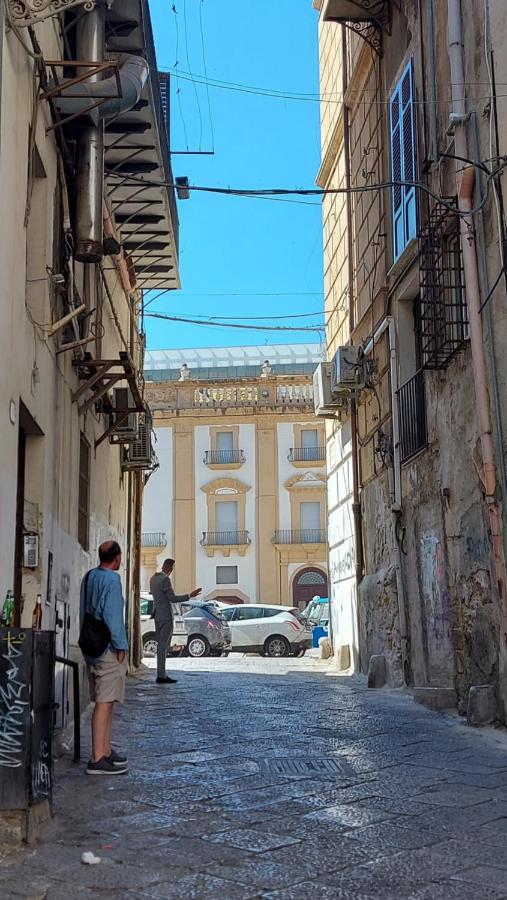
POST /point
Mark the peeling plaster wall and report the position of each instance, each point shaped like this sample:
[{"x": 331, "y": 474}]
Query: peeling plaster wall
[{"x": 451, "y": 598}]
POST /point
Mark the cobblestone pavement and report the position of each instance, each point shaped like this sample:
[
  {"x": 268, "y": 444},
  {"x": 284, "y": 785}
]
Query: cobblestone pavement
[{"x": 271, "y": 778}]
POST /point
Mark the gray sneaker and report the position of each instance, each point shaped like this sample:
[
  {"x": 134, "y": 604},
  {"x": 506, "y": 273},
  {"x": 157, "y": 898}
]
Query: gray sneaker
[
  {"x": 118, "y": 759},
  {"x": 105, "y": 766}
]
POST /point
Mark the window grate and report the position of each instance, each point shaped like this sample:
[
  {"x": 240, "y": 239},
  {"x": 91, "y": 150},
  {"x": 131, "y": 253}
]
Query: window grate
[
  {"x": 443, "y": 314},
  {"x": 412, "y": 408}
]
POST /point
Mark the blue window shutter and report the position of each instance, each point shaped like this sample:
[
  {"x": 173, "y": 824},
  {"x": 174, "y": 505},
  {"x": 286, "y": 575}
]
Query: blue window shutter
[{"x": 403, "y": 164}]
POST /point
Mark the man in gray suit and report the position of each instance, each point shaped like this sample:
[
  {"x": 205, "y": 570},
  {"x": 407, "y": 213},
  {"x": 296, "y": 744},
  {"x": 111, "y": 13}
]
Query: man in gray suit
[{"x": 163, "y": 595}]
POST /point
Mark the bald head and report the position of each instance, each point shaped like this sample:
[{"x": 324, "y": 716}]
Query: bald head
[{"x": 110, "y": 555}]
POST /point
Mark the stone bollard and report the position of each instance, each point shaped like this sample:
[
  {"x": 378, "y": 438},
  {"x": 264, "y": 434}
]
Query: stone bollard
[
  {"x": 325, "y": 648},
  {"x": 481, "y": 708},
  {"x": 377, "y": 672}
]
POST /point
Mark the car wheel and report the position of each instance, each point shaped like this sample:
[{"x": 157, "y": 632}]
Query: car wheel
[
  {"x": 276, "y": 646},
  {"x": 198, "y": 646},
  {"x": 150, "y": 644}
]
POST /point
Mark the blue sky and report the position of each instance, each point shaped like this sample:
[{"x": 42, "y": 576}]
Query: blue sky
[{"x": 229, "y": 245}]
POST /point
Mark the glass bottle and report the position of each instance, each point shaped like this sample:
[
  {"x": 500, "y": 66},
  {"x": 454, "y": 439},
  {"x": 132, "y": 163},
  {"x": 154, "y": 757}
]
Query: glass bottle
[{"x": 37, "y": 614}]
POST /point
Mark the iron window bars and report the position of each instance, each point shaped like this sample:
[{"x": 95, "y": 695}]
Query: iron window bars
[{"x": 443, "y": 315}]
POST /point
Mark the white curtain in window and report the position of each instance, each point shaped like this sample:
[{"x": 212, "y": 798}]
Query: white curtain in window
[
  {"x": 310, "y": 515},
  {"x": 225, "y": 440},
  {"x": 227, "y": 515},
  {"x": 309, "y": 438}
]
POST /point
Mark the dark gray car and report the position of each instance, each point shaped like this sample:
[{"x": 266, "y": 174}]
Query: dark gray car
[{"x": 200, "y": 629}]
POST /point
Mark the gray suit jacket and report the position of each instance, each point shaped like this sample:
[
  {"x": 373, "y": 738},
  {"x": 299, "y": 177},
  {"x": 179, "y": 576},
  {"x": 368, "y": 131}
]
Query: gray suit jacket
[{"x": 163, "y": 594}]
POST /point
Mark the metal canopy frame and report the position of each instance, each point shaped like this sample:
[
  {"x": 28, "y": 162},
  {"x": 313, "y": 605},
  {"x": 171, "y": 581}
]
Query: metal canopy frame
[
  {"x": 373, "y": 18},
  {"x": 59, "y": 85},
  {"x": 101, "y": 375}
]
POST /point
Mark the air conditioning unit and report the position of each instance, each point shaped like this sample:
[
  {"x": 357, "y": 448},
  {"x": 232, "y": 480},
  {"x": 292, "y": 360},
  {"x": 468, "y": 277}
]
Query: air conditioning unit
[
  {"x": 327, "y": 403},
  {"x": 347, "y": 376},
  {"x": 139, "y": 454},
  {"x": 125, "y": 424}
]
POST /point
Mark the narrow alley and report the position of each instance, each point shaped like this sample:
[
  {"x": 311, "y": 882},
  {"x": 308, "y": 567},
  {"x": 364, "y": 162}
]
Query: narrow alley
[{"x": 275, "y": 778}]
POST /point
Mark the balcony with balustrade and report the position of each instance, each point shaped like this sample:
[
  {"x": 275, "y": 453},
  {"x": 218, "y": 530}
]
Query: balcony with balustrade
[
  {"x": 225, "y": 542},
  {"x": 304, "y": 457},
  {"x": 288, "y": 536},
  {"x": 154, "y": 540},
  {"x": 224, "y": 459}
]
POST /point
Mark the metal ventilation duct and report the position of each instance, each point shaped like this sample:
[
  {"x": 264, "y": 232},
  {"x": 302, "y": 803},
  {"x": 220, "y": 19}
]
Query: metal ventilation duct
[{"x": 90, "y": 35}]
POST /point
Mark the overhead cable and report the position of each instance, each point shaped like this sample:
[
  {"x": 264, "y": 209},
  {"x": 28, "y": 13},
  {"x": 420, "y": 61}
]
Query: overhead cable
[
  {"x": 323, "y": 192},
  {"x": 169, "y": 318}
]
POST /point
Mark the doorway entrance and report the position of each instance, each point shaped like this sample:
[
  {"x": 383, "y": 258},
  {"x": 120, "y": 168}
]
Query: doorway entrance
[{"x": 308, "y": 583}]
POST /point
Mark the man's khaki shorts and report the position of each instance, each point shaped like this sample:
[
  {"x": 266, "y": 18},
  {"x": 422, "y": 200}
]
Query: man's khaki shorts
[{"x": 107, "y": 679}]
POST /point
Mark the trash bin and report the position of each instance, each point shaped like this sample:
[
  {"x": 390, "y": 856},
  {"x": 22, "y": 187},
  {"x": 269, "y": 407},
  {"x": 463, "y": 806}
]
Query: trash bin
[
  {"x": 318, "y": 632},
  {"x": 26, "y": 720}
]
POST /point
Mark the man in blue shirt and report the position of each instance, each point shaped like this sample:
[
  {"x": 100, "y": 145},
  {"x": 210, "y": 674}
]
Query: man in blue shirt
[{"x": 102, "y": 598}]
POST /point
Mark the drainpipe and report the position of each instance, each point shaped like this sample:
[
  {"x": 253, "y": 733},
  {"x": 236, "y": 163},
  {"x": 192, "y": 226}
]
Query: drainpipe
[
  {"x": 388, "y": 324},
  {"x": 90, "y": 37},
  {"x": 356, "y": 502},
  {"x": 465, "y": 178}
]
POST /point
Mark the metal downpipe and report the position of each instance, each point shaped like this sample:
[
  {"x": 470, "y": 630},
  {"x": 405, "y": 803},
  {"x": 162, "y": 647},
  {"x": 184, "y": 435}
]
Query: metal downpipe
[
  {"x": 90, "y": 37},
  {"x": 465, "y": 179}
]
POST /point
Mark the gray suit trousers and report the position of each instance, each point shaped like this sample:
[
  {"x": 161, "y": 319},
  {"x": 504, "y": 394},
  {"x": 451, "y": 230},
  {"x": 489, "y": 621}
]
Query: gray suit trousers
[{"x": 164, "y": 633}]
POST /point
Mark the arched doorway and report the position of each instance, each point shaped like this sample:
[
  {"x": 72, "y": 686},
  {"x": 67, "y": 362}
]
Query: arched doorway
[{"x": 308, "y": 583}]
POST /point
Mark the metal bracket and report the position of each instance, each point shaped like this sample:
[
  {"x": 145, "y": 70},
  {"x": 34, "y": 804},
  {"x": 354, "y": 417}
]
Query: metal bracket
[
  {"x": 24, "y": 13},
  {"x": 371, "y": 19}
]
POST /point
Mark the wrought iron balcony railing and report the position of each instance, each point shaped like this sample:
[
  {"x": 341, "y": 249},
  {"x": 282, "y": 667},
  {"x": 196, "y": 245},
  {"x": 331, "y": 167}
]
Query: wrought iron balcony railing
[
  {"x": 300, "y": 536},
  {"x": 412, "y": 408},
  {"x": 306, "y": 454},
  {"x": 153, "y": 539},
  {"x": 225, "y": 539},
  {"x": 224, "y": 457}
]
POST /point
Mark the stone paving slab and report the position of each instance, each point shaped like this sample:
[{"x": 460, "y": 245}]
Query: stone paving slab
[{"x": 238, "y": 799}]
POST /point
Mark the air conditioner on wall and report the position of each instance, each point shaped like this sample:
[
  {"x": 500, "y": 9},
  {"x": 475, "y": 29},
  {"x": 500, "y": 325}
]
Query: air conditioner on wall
[
  {"x": 327, "y": 403},
  {"x": 347, "y": 375},
  {"x": 139, "y": 454},
  {"x": 125, "y": 424}
]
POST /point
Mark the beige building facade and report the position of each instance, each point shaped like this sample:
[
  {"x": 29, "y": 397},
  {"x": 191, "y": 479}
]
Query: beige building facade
[
  {"x": 411, "y": 131},
  {"x": 74, "y": 262},
  {"x": 238, "y": 499}
]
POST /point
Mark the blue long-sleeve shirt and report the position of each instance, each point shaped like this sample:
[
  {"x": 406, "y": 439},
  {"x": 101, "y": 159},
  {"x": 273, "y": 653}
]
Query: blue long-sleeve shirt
[{"x": 104, "y": 600}]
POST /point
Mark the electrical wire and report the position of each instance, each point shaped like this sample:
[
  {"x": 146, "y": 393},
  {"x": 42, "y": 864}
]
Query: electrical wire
[
  {"x": 319, "y": 312},
  {"x": 334, "y": 97},
  {"x": 175, "y": 71},
  {"x": 168, "y": 318},
  {"x": 276, "y": 294},
  {"x": 196, "y": 92},
  {"x": 323, "y": 192},
  {"x": 201, "y": 27},
  {"x": 253, "y": 294}
]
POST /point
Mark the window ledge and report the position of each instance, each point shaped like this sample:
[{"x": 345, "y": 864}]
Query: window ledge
[{"x": 405, "y": 260}]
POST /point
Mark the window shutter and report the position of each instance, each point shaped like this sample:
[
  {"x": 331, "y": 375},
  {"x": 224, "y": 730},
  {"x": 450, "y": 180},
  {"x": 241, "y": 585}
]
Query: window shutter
[{"x": 403, "y": 161}]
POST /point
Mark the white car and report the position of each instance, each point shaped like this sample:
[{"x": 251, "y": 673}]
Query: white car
[{"x": 268, "y": 630}]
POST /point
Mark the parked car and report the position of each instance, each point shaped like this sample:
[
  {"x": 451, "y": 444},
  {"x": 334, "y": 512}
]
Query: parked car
[
  {"x": 268, "y": 630},
  {"x": 200, "y": 629}
]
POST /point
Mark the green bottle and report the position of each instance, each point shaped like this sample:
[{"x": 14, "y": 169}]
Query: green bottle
[{"x": 8, "y": 611}]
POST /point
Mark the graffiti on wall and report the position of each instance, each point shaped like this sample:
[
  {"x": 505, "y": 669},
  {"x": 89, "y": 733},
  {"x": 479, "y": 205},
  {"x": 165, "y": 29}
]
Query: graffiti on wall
[
  {"x": 14, "y": 702},
  {"x": 434, "y": 587}
]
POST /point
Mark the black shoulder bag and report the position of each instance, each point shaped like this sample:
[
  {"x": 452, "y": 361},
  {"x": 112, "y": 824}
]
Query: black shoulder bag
[{"x": 94, "y": 637}]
